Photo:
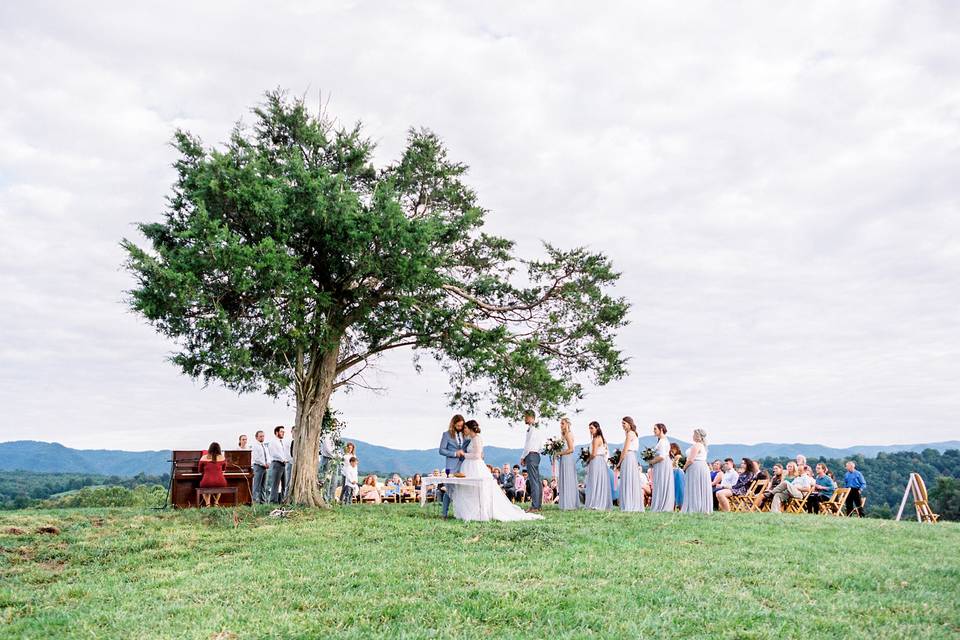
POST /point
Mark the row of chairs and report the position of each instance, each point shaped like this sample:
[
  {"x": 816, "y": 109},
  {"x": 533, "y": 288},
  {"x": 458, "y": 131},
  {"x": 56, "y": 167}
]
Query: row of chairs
[
  {"x": 405, "y": 495},
  {"x": 752, "y": 498}
]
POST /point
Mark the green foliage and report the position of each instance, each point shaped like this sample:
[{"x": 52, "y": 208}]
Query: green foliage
[
  {"x": 945, "y": 498},
  {"x": 288, "y": 245},
  {"x": 112, "y": 496},
  {"x": 398, "y": 571},
  {"x": 20, "y": 489},
  {"x": 887, "y": 476}
]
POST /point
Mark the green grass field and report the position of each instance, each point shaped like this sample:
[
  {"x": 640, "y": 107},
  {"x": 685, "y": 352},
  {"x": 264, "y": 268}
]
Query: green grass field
[{"x": 400, "y": 572}]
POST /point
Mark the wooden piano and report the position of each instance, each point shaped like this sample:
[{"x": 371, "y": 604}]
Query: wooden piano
[{"x": 185, "y": 479}]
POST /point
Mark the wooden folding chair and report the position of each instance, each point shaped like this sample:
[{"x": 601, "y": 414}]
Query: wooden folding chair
[
  {"x": 736, "y": 501},
  {"x": 797, "y": 506},
  {"x": 922, "y": 502},
  {"x": 747, "y": 503},
  {"x": 834, "y": 506}
]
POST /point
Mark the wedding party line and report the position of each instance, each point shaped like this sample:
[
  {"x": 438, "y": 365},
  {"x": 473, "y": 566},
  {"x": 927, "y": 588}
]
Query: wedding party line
[{"x": 672, "y": 481}]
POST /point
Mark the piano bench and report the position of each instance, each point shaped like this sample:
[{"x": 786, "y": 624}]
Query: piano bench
[{"x": 210, "y": 491}]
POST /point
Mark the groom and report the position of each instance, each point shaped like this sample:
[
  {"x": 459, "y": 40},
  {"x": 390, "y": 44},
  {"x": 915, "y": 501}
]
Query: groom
[
  {"x": 531, "y": 459},
  {"x": 453, "y": 445}
]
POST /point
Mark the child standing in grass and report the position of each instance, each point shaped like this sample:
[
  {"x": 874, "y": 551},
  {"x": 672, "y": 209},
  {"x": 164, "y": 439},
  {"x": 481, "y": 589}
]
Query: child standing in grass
[{"x": 349, "y": 481}]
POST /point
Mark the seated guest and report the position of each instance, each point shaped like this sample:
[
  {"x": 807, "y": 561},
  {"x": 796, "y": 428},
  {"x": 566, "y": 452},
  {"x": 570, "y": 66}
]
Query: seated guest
[
  {"x": 785, "y": 490},
  {"x": 646, "y": 485},
  {"x": 369, "y": 491},
  {"x": 211, "y": 467},
  {"x": 716, "y": 474},
  {"x": 519, "y": 485},
  {"x": 349, "y": 480},
  {"x": 393, "y": 488},
  {"x": 822, "y": 490},
  {"x": 547, "y": 492},
  {"x": 762, "y": 474},
  {"x": 739, "y": 488},
  {"x": 857, "y": 484},
  {"x": 508, "y": 481},
  {"x": 775, "y": 476},
  {"x": 801, "y": 461},
  {"x": 242, "y": 442},
  {"x": 553, "y": 490},
  {"x": 496, "y": 475},
  {"x": 417, "y": 481}
]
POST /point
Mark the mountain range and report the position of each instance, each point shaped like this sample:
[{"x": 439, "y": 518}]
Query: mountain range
[{"x": 52, "y": 457}]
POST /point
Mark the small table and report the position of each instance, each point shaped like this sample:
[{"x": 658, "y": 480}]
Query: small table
[{"x": 451, "y": 480}]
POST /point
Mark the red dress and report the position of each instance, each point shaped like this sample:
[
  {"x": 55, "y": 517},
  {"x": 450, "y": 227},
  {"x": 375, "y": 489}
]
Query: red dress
[{"x": 212, "y": 474}]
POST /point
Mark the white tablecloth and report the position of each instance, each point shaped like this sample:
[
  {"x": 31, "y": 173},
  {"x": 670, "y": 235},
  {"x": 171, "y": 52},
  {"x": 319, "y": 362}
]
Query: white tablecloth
[{"x": 437, "y": 480}]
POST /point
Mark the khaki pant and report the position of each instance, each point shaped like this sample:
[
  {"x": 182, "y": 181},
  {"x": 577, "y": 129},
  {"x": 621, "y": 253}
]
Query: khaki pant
[{"x": 784, "y": 491}]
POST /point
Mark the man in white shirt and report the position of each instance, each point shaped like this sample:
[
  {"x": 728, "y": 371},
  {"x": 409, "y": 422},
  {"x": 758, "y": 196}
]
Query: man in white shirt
[
  {"x": 279, "y": 457},
  {"x": 349, "y": 480},
  {"x": 260, "y": 457},
  {"x": 531, "y": 458},
  {"x": 730, "y": 474}
]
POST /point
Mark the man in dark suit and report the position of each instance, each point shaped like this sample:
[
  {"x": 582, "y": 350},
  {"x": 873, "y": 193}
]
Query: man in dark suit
[{"x": 506, "y": 482}]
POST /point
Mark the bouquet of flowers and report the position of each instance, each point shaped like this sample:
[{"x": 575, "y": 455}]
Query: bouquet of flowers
[
  {"x": 615, "y": 458},
  {"x": 553, "y": 447},
  {"x": 681, "y": 461},
  {"x": 585, "y": 456},
  {"x": 648, "y": 454}
]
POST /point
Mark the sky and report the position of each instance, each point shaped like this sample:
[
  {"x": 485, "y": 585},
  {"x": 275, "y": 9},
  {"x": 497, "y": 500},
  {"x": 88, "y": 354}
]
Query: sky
[{"x": 777, "y": 183}]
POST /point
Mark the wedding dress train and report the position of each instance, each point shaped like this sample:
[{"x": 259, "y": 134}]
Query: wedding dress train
[{"x": 486, "y": 501}]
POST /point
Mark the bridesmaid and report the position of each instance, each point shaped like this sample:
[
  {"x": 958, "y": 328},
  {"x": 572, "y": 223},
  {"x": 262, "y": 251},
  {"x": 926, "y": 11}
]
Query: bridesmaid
[
  {"x": 698, "y": 497},
  {"x": 567, "y": 488},
  {"x": 663, "y": 498},
  {"x": 675, "y": 455},
  {"x": 597, "y": 480},
  {"x": 631, "y": 492}
]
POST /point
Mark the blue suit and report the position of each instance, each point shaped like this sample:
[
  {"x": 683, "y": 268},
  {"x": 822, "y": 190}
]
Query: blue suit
[{"x": 452, "y": 462}]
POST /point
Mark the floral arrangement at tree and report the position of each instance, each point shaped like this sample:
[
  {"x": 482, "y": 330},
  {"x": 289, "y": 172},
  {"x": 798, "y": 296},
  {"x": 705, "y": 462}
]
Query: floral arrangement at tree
[
  {"x": 615, "y": 458},
  {"x": 553, "y": 447}
]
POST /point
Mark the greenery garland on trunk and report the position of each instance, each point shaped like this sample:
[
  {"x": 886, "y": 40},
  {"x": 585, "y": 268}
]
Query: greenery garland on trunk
[{"x": 286, "y": 262}]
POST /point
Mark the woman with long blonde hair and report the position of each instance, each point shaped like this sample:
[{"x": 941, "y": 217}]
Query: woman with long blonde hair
[
  {"x": 631, "y": 492},
  {"x": 698, "y": 494},
  {"x": 567, "y": 489}
]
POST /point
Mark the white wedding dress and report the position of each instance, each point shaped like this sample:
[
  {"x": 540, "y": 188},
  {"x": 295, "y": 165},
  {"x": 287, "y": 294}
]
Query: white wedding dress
[{"x": 487, "y": 501}]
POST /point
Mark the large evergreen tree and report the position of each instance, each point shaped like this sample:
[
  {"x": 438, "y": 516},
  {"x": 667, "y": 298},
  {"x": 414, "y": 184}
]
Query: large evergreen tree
[{"x": 285, "y": 263}]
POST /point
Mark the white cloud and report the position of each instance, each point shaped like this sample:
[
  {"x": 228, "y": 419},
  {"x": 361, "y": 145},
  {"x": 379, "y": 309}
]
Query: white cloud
[{"x": 777, "y": 185}]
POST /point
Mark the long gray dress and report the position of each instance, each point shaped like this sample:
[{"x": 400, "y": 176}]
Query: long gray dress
[
  {"x": 631, "y": 491},
  {"x": 598, "y": 484},
  {"x": 663, "y": 497},
  {"x": 567, "y": 483},
  {"x": 697, "y": 496}
]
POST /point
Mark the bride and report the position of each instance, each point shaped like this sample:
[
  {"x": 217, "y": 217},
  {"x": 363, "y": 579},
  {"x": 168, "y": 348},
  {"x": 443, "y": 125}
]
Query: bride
[{"x": 486, "y": 501}]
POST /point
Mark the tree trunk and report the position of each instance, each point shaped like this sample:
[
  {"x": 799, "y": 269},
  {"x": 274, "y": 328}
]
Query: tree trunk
[{"x": 311, "y": 405}]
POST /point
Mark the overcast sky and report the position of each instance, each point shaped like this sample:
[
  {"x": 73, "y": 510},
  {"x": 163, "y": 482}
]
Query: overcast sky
[{"x": 778, "y": 183}]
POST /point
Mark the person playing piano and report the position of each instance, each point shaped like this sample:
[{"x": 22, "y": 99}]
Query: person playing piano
[{"x": 211, "y": 468}]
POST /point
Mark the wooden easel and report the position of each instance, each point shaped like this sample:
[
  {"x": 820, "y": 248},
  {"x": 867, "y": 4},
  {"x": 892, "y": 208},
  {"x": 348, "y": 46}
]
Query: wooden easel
[{"x": 920, "y": 501}]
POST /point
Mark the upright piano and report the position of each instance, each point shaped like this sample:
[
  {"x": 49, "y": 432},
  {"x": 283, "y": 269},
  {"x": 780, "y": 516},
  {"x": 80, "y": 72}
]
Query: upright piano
[{"x": 185, "y": 478}]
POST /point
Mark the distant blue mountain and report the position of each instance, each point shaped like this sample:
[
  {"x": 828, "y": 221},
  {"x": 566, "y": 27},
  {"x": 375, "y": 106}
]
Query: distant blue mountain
[{"x": 31, "y": 455}]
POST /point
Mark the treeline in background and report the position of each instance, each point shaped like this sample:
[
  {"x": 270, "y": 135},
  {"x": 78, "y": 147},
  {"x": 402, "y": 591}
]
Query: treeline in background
[{"x": 26, "y": 489}]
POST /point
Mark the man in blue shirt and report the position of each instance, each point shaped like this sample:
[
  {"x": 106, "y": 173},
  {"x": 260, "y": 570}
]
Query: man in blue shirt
[
  {"x": 822, "y": 490},
  {"x": 857, "y": 484}
]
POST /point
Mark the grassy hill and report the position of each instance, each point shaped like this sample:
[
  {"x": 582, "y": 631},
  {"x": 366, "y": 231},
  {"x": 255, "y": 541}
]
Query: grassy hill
[{"x": 399, "y": 572}]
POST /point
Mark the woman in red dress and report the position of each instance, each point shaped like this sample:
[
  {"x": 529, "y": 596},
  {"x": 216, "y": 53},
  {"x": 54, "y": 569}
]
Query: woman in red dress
[{"x": 211, "y": 466}]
